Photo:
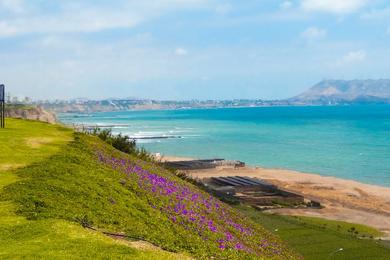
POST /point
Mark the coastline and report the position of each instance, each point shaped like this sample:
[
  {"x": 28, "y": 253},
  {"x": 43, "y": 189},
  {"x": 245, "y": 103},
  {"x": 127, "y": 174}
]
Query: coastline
[
  {"x": 343, "y": 200},
  {"x": 355, "y": 147}
]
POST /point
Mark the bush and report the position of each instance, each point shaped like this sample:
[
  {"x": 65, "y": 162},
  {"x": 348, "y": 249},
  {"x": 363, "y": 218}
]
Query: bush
[{"x": 122, "y": 143}]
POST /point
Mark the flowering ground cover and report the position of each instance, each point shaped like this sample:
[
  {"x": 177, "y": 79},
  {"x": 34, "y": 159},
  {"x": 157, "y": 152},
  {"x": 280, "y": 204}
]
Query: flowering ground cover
[
  {"x": 48, "y": 238},
  {"x": 91, "y": 183},
  {"x": 56, "y": 188},
  {"x": 219, "y": 226}
]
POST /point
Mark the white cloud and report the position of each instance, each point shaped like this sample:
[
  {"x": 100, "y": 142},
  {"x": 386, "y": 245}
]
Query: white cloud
[
  {"x": 6, "y": 30},
  {"x": 313, "y": 33},
  {"x": 286, "y": 5},
  {"x": 181, "y": 52},
  {"x": 333, "y": 6},
  {"x": 83, "y": 21},
  {"x": 87, "y": 16},
  {"x": 223, "y": 9},
  {"x": 353, "y": 57},
  {"x": 14, "y": 6},
  {"x": 377, "y": 14}
]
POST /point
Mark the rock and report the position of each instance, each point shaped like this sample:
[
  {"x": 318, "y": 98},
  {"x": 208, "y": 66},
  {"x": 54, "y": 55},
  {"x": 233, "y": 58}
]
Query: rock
[{"x": 31, "y": 113}]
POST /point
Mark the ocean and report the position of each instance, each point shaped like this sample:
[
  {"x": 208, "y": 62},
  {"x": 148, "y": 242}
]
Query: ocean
[{"x": 350, "y": 142}]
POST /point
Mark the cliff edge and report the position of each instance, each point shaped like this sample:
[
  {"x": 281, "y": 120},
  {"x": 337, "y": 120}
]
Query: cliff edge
[{"x": 30, "y": 113}]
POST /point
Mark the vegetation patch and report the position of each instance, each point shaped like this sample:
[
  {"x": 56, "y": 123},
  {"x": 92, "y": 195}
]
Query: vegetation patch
[
  {"x": 199, "y": 213},
  {"x": 316, "y": 238},
  {"x": 59, "y": 239},
  {"x": 14, "y": 149},
  {"x": 37, "y": 142},
  {"x": 49, "y": 238},
  {"x": 92, "y": 184},
  {"x": 77, "y": 197},
  {"x": 352, "y": 229}
]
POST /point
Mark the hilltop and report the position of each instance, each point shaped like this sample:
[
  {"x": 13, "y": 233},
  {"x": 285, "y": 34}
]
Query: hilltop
[{"x": 342, "y": 91}]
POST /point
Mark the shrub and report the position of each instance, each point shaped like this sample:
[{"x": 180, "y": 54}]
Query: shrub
[{"x": 121, "y": 142}]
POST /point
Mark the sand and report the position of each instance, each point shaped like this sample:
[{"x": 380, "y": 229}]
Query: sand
[{"x": 344, "y": 200}]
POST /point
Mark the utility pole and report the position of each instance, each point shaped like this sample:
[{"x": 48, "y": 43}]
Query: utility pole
[{"x": 2, "y": 106}]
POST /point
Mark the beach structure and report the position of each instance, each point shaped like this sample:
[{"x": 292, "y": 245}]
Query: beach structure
[
  {"x": 252, "y": 191},
  {"x": 2, "y": 106}
]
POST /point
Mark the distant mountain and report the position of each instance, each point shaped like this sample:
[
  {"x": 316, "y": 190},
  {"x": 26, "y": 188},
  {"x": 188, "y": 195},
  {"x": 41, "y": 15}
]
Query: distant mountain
[
  {"x": 327, "y": 92},
  {"x": 342, "y": 91}
]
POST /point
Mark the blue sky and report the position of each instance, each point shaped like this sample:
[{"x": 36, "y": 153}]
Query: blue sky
[{"x": 189, "y": 49}]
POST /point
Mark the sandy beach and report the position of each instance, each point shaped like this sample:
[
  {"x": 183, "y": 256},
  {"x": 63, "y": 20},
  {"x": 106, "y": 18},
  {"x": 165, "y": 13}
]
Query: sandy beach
[{"x": 345, "y": 200}]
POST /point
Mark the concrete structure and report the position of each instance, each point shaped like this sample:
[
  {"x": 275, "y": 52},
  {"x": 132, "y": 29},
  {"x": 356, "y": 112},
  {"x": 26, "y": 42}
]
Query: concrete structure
[{"x": 252, "y": 191}]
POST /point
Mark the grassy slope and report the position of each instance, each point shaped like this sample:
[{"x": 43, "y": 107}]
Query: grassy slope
[
  {"x": 48, "y": 205},
  {"x": 25, "y": 143},
  {"x": 65, "y": 184},
  {"x": 320, "y": 239}
]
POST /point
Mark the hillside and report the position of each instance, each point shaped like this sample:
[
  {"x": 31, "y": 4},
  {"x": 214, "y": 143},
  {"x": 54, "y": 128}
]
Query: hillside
[
  {"x": 68, "y": 195},
  {"x": 62, "y": 193},
  {"x": 30, "y": 113},
  {"x": 27, "y": 143},
  {"x": 341, "y": 91}
]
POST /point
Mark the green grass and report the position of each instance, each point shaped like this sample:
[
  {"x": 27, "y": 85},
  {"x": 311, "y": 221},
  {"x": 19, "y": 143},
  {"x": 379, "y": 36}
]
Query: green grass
[
  {"x": 316, "y": 238},
  {"x": 57, "y": 239},
  {"x": 50, "y": 180},
  {"x": 52, "y": 183},
  {"x": 357, "y": 230},
  {"x": 73, "y": 186},
  {"x": 28, "y": 144}
]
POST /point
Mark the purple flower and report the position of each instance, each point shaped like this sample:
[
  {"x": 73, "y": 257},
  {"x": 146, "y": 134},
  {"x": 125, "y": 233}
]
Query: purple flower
[
  {"x": 191, "y": 209},
  {"x": 238, "y": 246},
  {"x": 228, "y": 236}
]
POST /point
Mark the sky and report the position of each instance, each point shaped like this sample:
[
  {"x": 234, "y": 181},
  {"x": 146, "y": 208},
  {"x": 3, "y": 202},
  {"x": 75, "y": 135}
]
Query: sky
[{"x": 189, "y": 49}]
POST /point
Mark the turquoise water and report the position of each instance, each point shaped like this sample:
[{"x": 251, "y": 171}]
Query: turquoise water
[{"x": 351, "y": 142}]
